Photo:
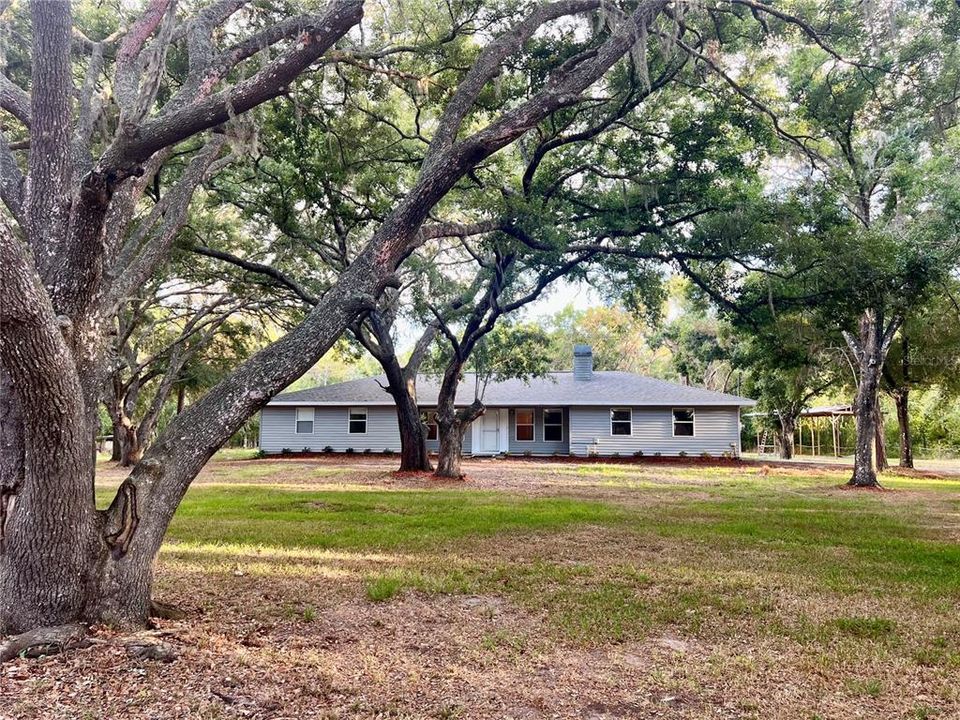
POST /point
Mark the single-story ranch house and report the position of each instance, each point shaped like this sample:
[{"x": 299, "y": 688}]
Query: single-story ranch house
[{"x": 584, "y": 412}]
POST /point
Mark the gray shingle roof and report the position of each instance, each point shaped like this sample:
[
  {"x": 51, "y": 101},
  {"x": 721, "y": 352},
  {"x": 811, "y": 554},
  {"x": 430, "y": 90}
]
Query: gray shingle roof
[{"x": 560, "y": 388}]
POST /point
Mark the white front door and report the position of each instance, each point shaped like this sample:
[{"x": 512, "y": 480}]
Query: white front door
[{"x": 490, "y": 432}]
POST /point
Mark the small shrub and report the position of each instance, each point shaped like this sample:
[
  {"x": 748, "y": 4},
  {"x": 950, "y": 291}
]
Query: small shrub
[
  {"x": 388, "y": 451},
  {"x": 683, "y": 453},
  {"x": 616, "y": 455},
  {"x": 528, "y": 453},
  {"x": 705, "y": 455},
  {"x": 306, "y": 450},
  {"x": 870, "y": 688},
  {"x": 286, "y": 451},
  {"x": 367, "y": 451},
  {"x": 638, "y": 454},
  {"x": 380, "y": 589},
  {"x": 260, "y": 454},
  {"x": 309, "y": 613},
  {"x": 349, "y": 451},
  {"x": 928, "y": 656},
  {"x": 449, "y": 712},
  {"x": 657, "y": 454},
  {"x": 328, "y": 449},
  {"x": 865, "y": 627}
]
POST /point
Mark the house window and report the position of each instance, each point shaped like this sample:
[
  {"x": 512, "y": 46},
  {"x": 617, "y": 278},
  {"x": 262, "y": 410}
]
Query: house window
[
  {"x": 523, "y": 421},
  {"x": 621, "y": 421},
  {"x": 683, "y": 419},
  {"x": 553, "y": 425},
  {"x": 304, "y": 421},
  {"x": 430, "y": 420},
  {"x": 358, "y": 421}
]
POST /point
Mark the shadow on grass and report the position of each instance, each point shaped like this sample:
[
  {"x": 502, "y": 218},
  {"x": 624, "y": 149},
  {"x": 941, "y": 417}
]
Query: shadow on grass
[{"x": 407, "y": 520}]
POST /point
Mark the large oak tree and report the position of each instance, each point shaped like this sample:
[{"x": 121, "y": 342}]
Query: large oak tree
[{"x": 72, "y": 248}]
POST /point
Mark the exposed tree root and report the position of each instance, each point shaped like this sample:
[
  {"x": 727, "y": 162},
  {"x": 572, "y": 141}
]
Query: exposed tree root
[
  {"x": 877, "y": 487},
  {"x": 44, "y": 641},
  {"x": 147, "y": 650},
  {"x": 165, "y": 611},
  {"x": 146, "y": 645}
]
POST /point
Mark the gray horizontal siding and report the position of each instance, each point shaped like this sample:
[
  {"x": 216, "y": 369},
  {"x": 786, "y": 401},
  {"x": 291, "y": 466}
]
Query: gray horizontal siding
[
  {"x": 717, "y": 432},
  {"x": 278, "y": 431},
  {"x": 539, "y": 446}
]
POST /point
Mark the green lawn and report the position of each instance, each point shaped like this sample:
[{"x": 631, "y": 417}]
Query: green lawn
[
  {"x": 648, "y": 548},
  {"x": 402, "y": 521},
  {"x": 332, "y": 588}
]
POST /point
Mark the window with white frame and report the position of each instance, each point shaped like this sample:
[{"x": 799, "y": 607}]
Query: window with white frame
[
  {"x": 305, "y": 421},
  {"x": 683, "y": 422},
  {"x": 523, "y": 425},
  {"x": 358, "y": 421},
  {"x": 621, "y": 421},
  {"x": 553, "y": 425},
  {"x": 430, "y": 420}
]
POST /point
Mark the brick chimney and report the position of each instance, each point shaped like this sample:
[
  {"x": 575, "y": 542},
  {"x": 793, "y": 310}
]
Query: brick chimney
[{"x": 582, "y": 362}]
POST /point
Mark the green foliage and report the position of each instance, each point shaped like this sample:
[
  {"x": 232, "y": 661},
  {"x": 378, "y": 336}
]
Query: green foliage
[
  {"x": 386, "y": 520},
  {"x": 865, "y": 627},
  {"x": 381, "y": 589},
  {"x": 788, "y": 362},
  {"x": 512, "y": 352},
  {"x": 924, "y": 353},
  {"x": 620, "y": 340},
  {"x": 696, "y": 347},
  {"x": 790, "y": 228},
  {"x": 935, "y": 418}
]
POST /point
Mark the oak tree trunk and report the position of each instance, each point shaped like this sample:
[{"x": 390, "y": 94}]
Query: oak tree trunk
[
  {"x": 864, "y": 472},
  {"x": 51, "y": 548},
  {"x": 452, "y": 425},
  {"x": 11, "y": 450},
  {"x": 116, "y": 452},
  {"x": 62, "y": 560},
  {"x": 451, "y": 452},
  {"x": 870, "y": 349},
  {"x": 902, "y": 400},
  {"x": 131, "y": 449},
  {"x": 900, "y": 392},
  {"x": 451, "y": 422},
  {"x": 787, "y": 440},
  {"x": 880, "y": 440},
  {"x": 401, "y": 379},
  {"x": 413, "y": 440}
]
